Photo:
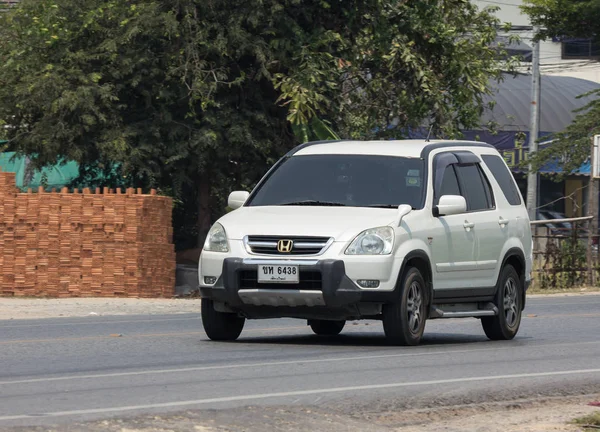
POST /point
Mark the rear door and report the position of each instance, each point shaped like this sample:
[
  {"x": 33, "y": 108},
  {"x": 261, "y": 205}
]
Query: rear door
[
  {"x": 487, "y": 223},
  {"x": 512, "y": 214}
]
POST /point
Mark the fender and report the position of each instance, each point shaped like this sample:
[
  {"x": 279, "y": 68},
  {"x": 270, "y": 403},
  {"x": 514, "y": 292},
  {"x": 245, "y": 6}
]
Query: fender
[
  {"x": 515, "y": 251},
  {"x": 518, "y": 253},
  {"x": 512, "y": 247},
  {"x": 423, "y": 255}
]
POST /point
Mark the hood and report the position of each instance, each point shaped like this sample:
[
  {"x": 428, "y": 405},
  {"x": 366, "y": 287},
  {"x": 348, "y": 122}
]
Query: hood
[{"x": 341, "y": 223}]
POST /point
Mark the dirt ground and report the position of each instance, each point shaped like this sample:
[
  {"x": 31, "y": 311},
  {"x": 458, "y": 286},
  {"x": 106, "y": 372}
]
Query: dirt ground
[
  {"x": 522, "y": 416},
  {"x": 13, "y": 308},
  {"x": 548, "y": 415}
]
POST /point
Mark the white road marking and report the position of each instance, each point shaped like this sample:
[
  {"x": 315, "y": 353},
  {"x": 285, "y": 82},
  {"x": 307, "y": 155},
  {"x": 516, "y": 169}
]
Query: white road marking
[
  {"x": 258, "y": 396},
  {"x": 564, "y": 304},
  {"x": 297, "y": 362}
]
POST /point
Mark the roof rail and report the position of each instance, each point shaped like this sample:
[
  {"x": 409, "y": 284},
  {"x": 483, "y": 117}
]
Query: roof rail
[{"x": 309, "y": 144}]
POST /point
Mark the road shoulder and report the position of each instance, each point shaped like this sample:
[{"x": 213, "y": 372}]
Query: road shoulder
[
  {"x": 12, "y": 308},
  {"x": 551, "y": 414}
]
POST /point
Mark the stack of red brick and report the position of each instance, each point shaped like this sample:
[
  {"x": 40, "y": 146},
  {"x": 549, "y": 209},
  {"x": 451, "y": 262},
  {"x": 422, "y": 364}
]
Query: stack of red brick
[{"x": 73, "y": 244}]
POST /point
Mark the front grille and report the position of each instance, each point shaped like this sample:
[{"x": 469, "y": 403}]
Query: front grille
[
  {"x": 267, "y": 245},
  {"x": 309, "y": 280}
]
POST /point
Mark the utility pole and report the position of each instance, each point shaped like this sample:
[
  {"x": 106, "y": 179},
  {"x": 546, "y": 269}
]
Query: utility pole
[
  {"x": 532, "y": 177},
  {"x": 592, "y": 209}
]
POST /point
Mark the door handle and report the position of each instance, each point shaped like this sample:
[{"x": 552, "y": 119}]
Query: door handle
[
  {"x": 503, "y": 222},
  {"x": 468, "y": 225}
]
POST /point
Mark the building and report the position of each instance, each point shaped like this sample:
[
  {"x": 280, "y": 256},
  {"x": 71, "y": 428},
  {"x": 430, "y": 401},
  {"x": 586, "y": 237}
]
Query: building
[
  {"x": 577, "y": 58},
  {"x": 511, "y": 114},
  {"x": 569, "y": 68}
]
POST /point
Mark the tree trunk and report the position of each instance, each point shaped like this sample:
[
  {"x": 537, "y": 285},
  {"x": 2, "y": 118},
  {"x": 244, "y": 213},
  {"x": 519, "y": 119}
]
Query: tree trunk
[{"x": 204, "y": 219}]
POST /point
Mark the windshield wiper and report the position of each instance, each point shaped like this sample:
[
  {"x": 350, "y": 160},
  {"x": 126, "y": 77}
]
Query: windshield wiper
[
  {"x": 390, "y": 206},
  {"x": 315, "y": 203},
  {"x": 381, "y": 206}
]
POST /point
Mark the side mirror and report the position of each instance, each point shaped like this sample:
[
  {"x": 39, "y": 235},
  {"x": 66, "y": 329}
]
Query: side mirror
[
  {"x": 451, "y": 205},
  {"x": 237, "y": 199},
  {"x": 403, "y": 210}
]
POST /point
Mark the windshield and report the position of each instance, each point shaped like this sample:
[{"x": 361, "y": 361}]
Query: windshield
[{"x": 343, "y": 180}]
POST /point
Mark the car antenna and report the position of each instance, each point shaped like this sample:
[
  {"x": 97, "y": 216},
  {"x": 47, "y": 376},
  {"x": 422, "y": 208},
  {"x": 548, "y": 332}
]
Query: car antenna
[{"x": 429, "y": 133}]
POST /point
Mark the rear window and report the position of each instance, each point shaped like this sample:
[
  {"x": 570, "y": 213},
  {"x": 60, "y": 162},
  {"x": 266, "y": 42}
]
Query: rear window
[
  {"x": 343, "y": 180},
  {"x": 504, "y": 178}
]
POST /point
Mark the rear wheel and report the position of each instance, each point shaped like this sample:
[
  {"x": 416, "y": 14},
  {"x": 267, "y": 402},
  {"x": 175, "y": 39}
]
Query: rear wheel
[
  {"x": 404, "y": 320},
  {"x": 220, "y": 326},
  {"x": 505, "y": 325},
  {"x": 326, "y": 328}
]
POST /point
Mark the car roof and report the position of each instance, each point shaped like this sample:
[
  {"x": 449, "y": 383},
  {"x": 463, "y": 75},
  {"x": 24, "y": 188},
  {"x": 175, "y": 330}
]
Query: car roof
[{"x": 407, "y": 148}]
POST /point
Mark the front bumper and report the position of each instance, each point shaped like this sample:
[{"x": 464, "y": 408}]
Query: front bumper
[{"x": 334, "y": 290}]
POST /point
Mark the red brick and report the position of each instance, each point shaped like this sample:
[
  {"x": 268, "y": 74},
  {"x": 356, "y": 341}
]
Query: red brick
[{"x": 83, "y": 245}]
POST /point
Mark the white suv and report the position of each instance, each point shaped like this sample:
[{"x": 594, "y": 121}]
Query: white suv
[{"x": 401, "y": 231}]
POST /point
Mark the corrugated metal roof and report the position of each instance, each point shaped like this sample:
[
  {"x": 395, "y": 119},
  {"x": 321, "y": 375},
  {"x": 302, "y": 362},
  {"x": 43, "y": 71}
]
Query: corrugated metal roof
[{"x": 558, "y": 101}]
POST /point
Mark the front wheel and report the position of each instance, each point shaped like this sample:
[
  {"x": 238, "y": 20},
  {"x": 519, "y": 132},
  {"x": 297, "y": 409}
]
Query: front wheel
[
  {"x": 326, "y": 328},
  {"x": 220, "y": 326},
  {"x": 509, "y": 298},
  {"x": 404, "y": 320}
]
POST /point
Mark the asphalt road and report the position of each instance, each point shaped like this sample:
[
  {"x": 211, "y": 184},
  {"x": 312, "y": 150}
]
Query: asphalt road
[{"x": 60, "y": 371}]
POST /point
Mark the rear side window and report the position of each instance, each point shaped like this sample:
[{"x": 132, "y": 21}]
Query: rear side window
[
  {"x": 476, "y": 187},
  {"x": 504, "y": 178}
]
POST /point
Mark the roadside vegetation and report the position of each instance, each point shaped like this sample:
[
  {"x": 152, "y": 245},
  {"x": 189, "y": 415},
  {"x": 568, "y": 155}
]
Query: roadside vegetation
[{"x": 590, "y": 422}]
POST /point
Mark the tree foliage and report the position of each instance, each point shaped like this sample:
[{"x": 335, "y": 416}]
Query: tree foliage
[
  {"x": 572, "y": 19},
  {"x": 570, "y": 148},
  {"x": 565, "y": 18},
  {"x": 199, "y": 96}
]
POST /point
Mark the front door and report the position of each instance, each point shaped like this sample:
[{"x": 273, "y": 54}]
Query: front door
[{"x": 452, "y": 239}]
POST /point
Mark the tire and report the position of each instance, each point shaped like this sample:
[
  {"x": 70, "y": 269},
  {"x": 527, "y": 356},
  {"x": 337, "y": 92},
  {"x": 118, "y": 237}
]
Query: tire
[
  {"x": 220, "y": 326},
  {"x": 509, "y": 298},
  {"x": 326, "y": 328},
  {"x": 404, "y": 320}
]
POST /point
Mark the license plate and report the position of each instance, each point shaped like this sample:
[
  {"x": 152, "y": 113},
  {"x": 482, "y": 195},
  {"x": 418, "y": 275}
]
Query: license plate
[{"x": 278, "y": 274}]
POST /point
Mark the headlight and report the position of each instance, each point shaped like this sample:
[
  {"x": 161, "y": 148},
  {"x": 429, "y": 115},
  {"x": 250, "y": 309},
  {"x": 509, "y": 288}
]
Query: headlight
[
  {"x": 216, "y": 240},
  {"x": 375, "y": 241}
]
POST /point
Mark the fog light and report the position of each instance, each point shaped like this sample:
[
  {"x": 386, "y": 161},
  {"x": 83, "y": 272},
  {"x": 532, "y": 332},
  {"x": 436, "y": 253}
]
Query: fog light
[
  {"x": 368, "y": 283},
  {"x": 209, "y": 280}
]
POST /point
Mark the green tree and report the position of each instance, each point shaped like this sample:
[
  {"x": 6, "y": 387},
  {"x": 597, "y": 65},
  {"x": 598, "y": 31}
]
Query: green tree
[
  {"x": 571, "y": 147},
  {"x": 199, "y": 96},
  {"x": 565, "y": 18},
  {"x": 575, "y": 19}
]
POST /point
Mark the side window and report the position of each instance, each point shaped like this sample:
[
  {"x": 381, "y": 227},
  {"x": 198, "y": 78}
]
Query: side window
[
  {"x": 449, "y": 185},
  {"x": 477, "y": 190},
  {"x": 504, "y": 178}
]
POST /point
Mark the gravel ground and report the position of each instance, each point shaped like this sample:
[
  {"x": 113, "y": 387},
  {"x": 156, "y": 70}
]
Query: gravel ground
[
  {"x": 521, "y": 416},
  {"x": 549, "y": 415},
  {"x": 12, "y": 308}
]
